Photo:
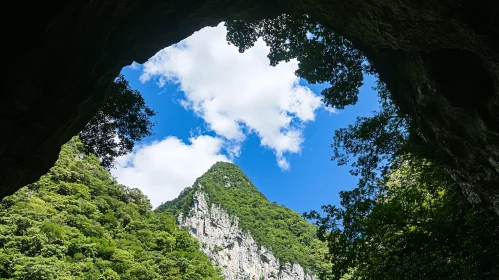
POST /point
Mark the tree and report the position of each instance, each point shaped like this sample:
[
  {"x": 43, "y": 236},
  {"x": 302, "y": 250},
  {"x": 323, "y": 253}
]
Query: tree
[
  {"x": 77, "y": 223},
  {"x": 326, "y": 57},
  {"x": 374, "y": 142},
  {"x": 123, "y": 119},
  {"x": 323, "y": 56},
  {"x": 401, "y": 220},
  {"x": 418, "y": 226}
]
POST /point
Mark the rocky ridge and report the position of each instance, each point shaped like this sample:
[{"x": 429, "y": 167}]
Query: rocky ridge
[{"x": 233, "y": 249}]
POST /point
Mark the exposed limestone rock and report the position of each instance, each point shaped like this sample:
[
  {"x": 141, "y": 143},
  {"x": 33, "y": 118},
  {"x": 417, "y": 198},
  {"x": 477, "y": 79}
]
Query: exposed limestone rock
[
  {"x": 232, "y": 249},
  {"x": 439, "y": 58}
]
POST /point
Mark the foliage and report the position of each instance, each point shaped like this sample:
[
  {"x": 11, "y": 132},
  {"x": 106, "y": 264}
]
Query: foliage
[
  {"x": 406, "y": 219},
  {"x": 123, "y": 119},
  {"x": 323, "y": 56},
  {"x": 291, "y": 238},
  {"x": 418, "y": 226},
  {"x": 376, "y": 141},
  {"x": 76, "y": 222}
]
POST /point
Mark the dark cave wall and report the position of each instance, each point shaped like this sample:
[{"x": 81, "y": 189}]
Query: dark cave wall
[
  {"x": 63, "y": 55},
  {"x": 439, "y": 58}
]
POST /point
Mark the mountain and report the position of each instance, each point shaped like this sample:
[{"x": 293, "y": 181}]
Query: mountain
[
  {"x": 244, "y": 233},
  {"x": 76, "y": 222}
]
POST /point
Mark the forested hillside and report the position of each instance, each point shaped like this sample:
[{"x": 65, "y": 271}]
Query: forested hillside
[
  {"x": 290, "y": 237},
  {"x": 76, "y": 222}
]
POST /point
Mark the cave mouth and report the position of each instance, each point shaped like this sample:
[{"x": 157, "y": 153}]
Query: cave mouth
[{"x": 62, "y": 61}]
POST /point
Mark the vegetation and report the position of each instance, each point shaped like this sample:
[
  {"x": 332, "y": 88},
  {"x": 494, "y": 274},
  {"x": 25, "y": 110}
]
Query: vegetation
[
  {"x": 326, "y": 57},
  {"x": 323, "y": 56},
  {"x": 76, "y": 222},
  {"x": 406, "y": 219},
  {"x": 418, "y": 226},
  {"x": 123, "y": 119},
  {"x": 291, "y": 238}
]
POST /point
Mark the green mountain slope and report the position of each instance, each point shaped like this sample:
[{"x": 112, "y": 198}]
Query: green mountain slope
[
  {"x": 291, "y": 238},
  {"x": 76, "y": 222}
]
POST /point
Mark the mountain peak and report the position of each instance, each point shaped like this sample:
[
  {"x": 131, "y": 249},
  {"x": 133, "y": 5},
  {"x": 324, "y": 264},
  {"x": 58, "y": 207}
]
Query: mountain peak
[
  {"x": 224, "y": 164},
  {"x": 225, "y": 167},
  {"x": 224, "y": 174},
  {"x": 224, "y": 188}
]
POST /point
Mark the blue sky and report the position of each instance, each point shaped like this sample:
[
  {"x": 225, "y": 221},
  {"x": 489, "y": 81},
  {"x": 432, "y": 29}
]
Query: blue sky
[{"x": 216, "y": 104}]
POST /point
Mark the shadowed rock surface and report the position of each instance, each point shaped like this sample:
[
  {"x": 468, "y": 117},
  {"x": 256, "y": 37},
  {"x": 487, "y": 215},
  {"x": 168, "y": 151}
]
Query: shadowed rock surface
[{"x": 439, "y": 58}]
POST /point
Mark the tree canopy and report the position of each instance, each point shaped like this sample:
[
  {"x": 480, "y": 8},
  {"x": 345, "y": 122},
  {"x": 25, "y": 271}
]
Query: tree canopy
[
  {"x": 406, "y": 219},
  {"x": 76, "y": 222},
  {"x": 123, "y": 119},
  {"x": 418, "y": 225},
  {"x": 328, "y": 58},
  {"x": 323, "y": 56}
]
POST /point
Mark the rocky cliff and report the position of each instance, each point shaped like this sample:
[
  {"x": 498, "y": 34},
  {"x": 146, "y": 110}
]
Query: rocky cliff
[
  {"x": 233, "y": 249},
  {"x": 440, "y": 59}
]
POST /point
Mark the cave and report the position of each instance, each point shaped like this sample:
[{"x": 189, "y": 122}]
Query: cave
[{"x": 440, "y": 60}]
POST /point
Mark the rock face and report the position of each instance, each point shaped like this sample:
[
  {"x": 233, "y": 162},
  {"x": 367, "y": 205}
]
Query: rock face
[
  {"x": 232, "y": 249},
  {"x": 440, "y": 59}
]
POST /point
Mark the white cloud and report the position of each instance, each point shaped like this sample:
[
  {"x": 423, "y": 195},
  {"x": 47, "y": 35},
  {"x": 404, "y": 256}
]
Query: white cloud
[
  {"x": 162, "y": 169},
  {"x": 330, "y": 110},
  {"x": 283, "y": 163},
  {"x": 237, "y": 94}
]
